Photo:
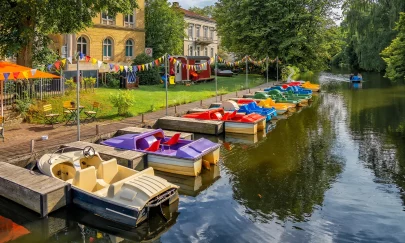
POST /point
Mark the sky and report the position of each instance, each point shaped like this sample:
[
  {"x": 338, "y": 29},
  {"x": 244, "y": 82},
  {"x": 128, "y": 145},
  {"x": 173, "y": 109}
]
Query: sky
[{"x": 194, "y": 3}]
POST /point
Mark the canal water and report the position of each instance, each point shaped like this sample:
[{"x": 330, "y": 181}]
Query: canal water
[{"x": 332, "y": 172}]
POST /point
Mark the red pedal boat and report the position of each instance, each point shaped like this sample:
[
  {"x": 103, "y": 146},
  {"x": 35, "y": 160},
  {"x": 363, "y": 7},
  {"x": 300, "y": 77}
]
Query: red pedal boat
[{"x": 234, "y": 123}]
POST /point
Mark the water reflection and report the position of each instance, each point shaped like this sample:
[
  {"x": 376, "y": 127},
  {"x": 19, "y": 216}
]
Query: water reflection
[{"x": 291, "y": 169}]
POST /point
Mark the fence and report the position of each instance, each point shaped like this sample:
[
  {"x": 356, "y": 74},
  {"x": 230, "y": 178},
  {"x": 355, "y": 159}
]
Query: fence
[{"x": 41, "y": 89}]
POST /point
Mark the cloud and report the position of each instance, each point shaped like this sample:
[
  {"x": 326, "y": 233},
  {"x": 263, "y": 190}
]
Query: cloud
[{"x": 194, "y": 3}]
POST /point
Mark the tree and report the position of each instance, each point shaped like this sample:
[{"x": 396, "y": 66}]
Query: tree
[
  {"x": 22, "y": 22},
  {"x": 370, "y": 29},
  {"x": 292, "y": 30},
  {"x": 164, "y": 28},
  {"x": 394, "y": 54},
  {"x": 150, "y": 76},
  {"x": 207, "y": 11}
]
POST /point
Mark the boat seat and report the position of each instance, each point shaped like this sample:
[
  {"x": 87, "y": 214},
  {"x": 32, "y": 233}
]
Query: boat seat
[
  {"x": 107, "y": 170},
  {"x": 86, "y": 179}
]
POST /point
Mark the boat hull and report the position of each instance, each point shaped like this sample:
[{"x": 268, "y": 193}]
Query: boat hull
[{"x": 245, "y": 128}]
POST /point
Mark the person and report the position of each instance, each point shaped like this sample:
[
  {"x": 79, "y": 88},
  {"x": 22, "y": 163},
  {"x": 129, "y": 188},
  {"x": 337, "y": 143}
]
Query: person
[
  {"x": 360, "y": 76},
  {"x": 351, "y": 76}
]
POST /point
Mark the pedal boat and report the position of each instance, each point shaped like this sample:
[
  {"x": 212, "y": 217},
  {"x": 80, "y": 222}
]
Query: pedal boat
[
  {"x": 234, "y": 123},
  {"x": 169, "y": 154},
  {"x": 107, "y": 189},
  {"x": 247, "y": 108},
  {"x": 278, "y": 99},
  {"x": 268, "y": 103}
]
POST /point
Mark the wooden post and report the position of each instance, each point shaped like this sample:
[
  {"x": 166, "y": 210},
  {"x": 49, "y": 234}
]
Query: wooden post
[
  {"x": 97, "y": 130},
  {"x": 237, "y": 94},
  {"x": 221, "y": 97},
  {"x": 143, "y": 118},
  {"x": 32, "y": 145},
  {"x": 200, "y": 102},
  {"x": 249, "y": 90},
  {"x": 175, "y": 109}
]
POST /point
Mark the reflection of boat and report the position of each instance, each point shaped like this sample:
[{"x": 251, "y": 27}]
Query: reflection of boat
[
  {"x": 248, "y": 108},
  {"x": 10, "y": 230},
  {"x": 192, "y": 186},
  {"x": 235, "y": 123},
  {"x": 107, "y": 189},
  {"x": 245, "y": 138},
  {"x": 180, "y": 156}
]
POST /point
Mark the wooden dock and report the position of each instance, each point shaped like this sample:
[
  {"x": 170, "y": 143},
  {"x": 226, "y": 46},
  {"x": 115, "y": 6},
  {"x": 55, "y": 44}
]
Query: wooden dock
[
  {"x": 127, "y": 157},
  {"x": 137, "y": 130},
  {"x": 35, "y": 191},
  {"x": 190, "y": 125}
]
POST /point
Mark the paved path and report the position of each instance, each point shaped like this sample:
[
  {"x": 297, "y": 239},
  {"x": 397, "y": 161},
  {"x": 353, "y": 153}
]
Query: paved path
[{"x": 18, "y": 141}]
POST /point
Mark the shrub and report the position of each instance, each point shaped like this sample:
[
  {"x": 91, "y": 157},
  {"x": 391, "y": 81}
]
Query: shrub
[
  {"x": 71, "y": 86},
  {"x": 123, "y": 100},
  {"x": 89, "y": 83},
  {"x": 23, "y": 105},
  {"x": 147, "y": 77},
  {"x": 112, "y": 80}
]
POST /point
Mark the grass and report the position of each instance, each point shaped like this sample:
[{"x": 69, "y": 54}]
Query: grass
[{"x": 151, "y": 98}]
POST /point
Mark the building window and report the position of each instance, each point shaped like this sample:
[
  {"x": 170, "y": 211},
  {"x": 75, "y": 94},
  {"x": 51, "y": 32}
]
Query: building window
[
  {"x": 107, "y": 19},
  {"x": 129, "y": 48},
  {"x": 205, "y": 51},
  {"x": 212, "y": 52},
  {"x": 205, "y": 32},
  {"x": 198, "y": 51},
  {"x": 191, "y": 51},
  {"x": 212, "y": 34},
  {"x": 190, "y": 31},
  {"x": 82, "y": 45},
  {"x": 107, "y": 49},
  {"x": 197, "y": 31},
  {"x": 129, "y": 21}
]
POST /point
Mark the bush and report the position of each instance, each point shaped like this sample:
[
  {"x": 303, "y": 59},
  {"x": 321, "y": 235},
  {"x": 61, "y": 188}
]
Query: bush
[
  {"x": 112, "y": 80},
  {"x": 23, "y": 105},
  {"x": 147, "y": 77},
  {"x": 71, "y": 86},
  {"x": 123, "y": 100},
  {"x": 89, "y": 83}
]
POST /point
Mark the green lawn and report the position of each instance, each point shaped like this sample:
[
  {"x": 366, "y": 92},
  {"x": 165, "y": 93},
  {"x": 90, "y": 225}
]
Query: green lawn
[{"x": 149, "y": 98}]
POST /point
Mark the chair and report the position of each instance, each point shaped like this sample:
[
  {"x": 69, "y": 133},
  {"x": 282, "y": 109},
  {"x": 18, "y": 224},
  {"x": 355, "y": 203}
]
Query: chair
[
  {"x": 66, "y": 112},
  {"x": 173, "y": 140},
  {"x": 231, "y": 116},
  {"x": 91, "y": 115},
  {"x": 2, "y": 127},
  {"x": 86, "y": 179},
  {"x": 50, "y": 118},
  {"x": 154, "y": 147},
  {"x": 171, "y": 80}
]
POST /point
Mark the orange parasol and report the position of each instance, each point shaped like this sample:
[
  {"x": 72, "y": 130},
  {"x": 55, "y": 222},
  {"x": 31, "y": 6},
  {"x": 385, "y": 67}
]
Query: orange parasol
[{"x": 11, "y": 68}]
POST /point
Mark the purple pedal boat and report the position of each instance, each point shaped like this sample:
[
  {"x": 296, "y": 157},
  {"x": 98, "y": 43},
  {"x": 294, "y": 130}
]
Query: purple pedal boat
[{"x": 169, "y": 154}]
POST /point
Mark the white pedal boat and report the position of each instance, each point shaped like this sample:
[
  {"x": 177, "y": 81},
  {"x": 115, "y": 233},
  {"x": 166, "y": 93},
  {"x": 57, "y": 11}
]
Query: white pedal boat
[{"x": 107, "y": 189}]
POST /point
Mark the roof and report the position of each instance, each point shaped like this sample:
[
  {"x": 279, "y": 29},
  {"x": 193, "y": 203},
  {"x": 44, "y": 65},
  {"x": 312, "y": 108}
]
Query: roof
[
  {"x": 6, "y": 67},
  {"x": 194, "y": 15}
]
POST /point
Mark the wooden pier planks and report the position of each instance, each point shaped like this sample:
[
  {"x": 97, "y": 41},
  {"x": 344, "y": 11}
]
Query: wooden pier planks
[
  {"x": 32, "y": 190},
  {"x": 190, "y": 125},
  {"x": 132, "y": 158},
  {"x": 137, "y": 130}
]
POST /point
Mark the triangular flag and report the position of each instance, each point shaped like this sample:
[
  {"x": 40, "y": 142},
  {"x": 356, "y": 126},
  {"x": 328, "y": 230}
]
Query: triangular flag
[
  {"x": 69, "y": 60},
  {"x": 99, "y": 63},
  {"x": 160, "y": 59},
  {"x": 33, "y": 72},
  {"x": 143, "y": 67},
  {"x": 81, "y": 55},
  {"x": 15, "y": 75},
  {"x": 6, "y": 75},
  {"x": 147, "y": 66},
  {"x": 49, "y": 67},
  {"x": 63, "y": 62},
  {"x": 117, "y": 68},
  {"x": 111, "y": 66},
  {"x": 139, "y": 68},
  {"x": 126, "y": 68},
  {"x": 87, "y": 58},
  {"x": 157, "y": 62},
  {"x": 25, "y": 74},
  {"x": 135, "y": 68},
  {"x": 93, "y": 60},
  {"x": 57, "y": 65},
  {"x": 130, "y": 68},
  {"x": 121, "y": 68}
]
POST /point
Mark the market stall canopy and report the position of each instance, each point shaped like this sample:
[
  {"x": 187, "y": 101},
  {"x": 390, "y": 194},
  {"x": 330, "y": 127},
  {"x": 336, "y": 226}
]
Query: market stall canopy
[{"x": 21, "y": 72}]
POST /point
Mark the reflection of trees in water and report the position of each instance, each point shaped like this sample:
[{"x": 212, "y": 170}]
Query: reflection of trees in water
[
  {"x": 372, "y": 113},
  {"x": 292, "y": 169}
]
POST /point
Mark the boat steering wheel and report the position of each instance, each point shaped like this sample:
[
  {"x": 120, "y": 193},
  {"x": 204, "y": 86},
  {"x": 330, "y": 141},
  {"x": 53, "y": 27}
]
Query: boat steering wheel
[{"x": 89, "y": 152}]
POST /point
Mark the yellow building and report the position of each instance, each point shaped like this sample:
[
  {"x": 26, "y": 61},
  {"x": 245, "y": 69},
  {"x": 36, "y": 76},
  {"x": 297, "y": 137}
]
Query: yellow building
[{"x": 112, "y": 39}]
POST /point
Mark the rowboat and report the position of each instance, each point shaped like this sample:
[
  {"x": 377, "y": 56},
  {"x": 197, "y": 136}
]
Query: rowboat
[
  {"x": 169, "y": 154},
  {"x": 248, "y": 108},
  {"x": 107, "y": 189},
  {"x": 234, "y": 123}
]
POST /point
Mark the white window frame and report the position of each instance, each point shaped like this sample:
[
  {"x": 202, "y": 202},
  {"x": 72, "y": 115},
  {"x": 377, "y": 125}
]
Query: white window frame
[
  {"x": 191, "y": 51},
  {"x": 206, "y": 51},
  {"x": 132, "y": 48},
  {"x": 105, "y": 57},
  {"x": 205, "y": 34},
  {"x": 198, "y": 51},
  {"x": 86, "y": 43},
  {"x": 128, "y": 23},
  {"x": 190, "y": 31},
  {"x": 212, "y": 34},
  {"x": 107, "y": 20},
  {"x": 212, "y": 52},
  {"x": 197, "y": 31}
]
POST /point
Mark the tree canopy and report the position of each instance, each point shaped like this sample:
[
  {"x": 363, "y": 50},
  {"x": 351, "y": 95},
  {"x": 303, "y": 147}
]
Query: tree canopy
[
  {"x": 25, "y": 21},
  {"x": 165, "y": 28},
  {"x": 207, "y": 11},
  {"x": 394, "y": 54},
  {"x": 296, "y": 31}
]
